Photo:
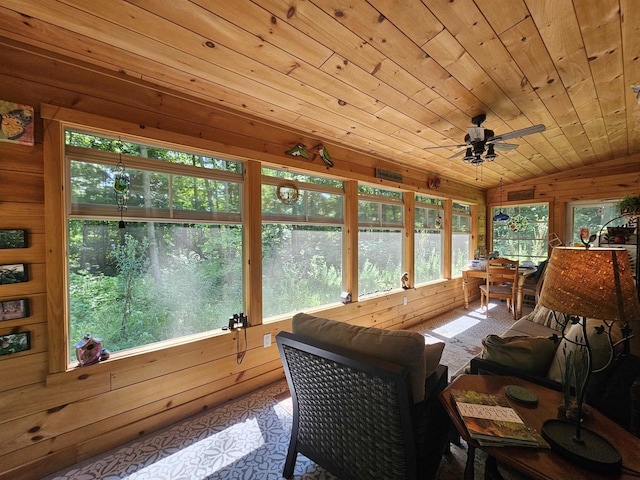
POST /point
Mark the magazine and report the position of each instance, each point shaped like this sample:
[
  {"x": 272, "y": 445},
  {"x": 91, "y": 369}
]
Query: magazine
[{"x": 492, "y": 421}]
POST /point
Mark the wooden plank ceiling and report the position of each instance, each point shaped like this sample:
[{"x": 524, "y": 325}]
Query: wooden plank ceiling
[{"x": 386, "y": 77}]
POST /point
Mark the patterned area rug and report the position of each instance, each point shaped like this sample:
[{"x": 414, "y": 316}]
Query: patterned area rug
[
  {"x": 248, "y": 438},
  {"x": 462, "y": 331}
]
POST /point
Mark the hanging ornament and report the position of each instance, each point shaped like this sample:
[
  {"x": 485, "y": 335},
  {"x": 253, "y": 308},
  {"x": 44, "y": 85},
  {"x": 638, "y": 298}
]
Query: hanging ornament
[
  {"x": 121, "y": 186},
  {"x": 518, "y": 223},
  {"x": 500, "y": 217}
]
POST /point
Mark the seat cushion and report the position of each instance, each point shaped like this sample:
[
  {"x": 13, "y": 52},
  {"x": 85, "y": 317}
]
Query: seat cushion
[
  {"x": 402, "y": 347},
  {"x": 527, "y": 327}
]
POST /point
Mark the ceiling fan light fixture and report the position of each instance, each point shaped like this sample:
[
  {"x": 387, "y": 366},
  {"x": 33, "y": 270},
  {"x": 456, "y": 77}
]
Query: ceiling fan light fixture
[
  {"x": 491, "y": 154},
  {"x": 476, "y": 134},
  {"x": 469, "y": 156}
]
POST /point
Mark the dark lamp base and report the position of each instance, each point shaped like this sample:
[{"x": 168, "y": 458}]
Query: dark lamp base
[{"x": 594, "y": 452}]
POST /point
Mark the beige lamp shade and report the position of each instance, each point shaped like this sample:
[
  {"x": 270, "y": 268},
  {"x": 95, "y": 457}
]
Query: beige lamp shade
[{"x": 592, "y": 283}]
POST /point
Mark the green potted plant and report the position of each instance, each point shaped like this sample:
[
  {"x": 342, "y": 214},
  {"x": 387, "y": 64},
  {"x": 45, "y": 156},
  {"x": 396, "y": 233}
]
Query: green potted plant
[{"x": 629, "y": 205}]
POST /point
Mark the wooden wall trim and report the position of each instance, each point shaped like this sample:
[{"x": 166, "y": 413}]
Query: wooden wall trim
[
  {"x": 408, "y": 246},
  {"x": 350, "y": 253},
  {"x": 252, "y": 233},
  {"x": 55, "y": 242}
]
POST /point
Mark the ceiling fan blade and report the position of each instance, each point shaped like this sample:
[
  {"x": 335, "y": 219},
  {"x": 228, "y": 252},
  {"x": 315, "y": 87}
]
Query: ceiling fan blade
[
  {"x": 505, "y": 146},
  {"x": 518, "y": 133},
  {"x": 461, "y": 152},
  {"x": 446, "y": 146}
]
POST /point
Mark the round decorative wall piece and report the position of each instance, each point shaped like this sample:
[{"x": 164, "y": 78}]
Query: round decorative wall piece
[
  {"x": 287, "y": 193},
  {"x": 518, "y": 223}
]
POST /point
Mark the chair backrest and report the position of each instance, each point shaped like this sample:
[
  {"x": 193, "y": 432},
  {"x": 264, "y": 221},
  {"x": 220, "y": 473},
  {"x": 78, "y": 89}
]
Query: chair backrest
[
  {"x": 351, "y": 412},
  {"x": 502, "y": 270},
  {"x": 540, "y": 280}
]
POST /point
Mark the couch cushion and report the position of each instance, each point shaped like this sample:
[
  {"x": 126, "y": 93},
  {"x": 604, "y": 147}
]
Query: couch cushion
[
  {"x": 600, "y": 347},
  {"x": 403, "y": 347},
  {"x": 527, "y": 327},
  {"x": 542, "y": 316},
  {"x": 529, "y": 354}
]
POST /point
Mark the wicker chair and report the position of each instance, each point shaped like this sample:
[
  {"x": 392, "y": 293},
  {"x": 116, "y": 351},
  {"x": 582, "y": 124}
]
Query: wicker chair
[{"x": 353, "y": 414}]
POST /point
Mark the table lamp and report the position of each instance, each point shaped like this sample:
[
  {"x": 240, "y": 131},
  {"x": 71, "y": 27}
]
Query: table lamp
[{"x": 585, "y": 283}]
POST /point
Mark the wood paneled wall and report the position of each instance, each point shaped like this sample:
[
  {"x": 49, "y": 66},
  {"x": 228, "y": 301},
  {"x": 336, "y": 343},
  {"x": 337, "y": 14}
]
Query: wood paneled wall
[
  {"x": 51, "y": 420},
  {"x": 608, "y": 180}
]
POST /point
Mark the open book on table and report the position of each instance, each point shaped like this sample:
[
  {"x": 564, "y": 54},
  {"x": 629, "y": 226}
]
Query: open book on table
[{"x": 492, "y": 421}]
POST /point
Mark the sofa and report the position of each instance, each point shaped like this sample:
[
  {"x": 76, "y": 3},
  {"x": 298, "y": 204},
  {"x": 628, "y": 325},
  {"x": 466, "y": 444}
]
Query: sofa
[
  {"x": 528, "y": 350},
  {"x": 365, "y": 400}
]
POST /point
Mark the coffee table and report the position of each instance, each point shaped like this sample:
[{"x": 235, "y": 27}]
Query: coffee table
[{"x": 538, "y": 463}]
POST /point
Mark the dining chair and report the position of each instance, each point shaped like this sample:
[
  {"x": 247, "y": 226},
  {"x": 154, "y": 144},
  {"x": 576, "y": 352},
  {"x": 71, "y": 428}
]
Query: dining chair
[
  {"x": 532, "y": 289},
  {"x": 502, "y": 278}
]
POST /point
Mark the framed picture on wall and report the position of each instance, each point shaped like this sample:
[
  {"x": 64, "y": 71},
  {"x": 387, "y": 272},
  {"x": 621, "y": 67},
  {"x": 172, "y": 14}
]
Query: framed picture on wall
[
  {"x": 13, "y": 239},
  {"x": 15, "y": 273},
  {"x": 15, "y": 342},
  {"x": 16, "y": 123},
  {"x": 13, "y": 309}
]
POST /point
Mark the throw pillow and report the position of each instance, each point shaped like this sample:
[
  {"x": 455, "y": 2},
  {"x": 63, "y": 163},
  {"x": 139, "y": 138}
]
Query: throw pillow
[
  {"x": 403, "y": 347},
  {"x": 543, "y": 316},
  {"x": 528, "y": 354},
  {"x": 600, "y": 348}
]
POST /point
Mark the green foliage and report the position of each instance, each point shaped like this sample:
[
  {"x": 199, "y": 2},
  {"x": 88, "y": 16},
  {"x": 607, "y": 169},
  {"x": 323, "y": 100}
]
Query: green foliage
[
  {"x": 302, "y": 267},
  {"x": 628, "y": 202}
]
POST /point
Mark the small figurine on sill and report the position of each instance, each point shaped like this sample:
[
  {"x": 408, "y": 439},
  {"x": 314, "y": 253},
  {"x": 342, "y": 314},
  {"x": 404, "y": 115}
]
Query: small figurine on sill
[
  {"x": 88, "y": 350},
  {"x": 405, "y": 281}
]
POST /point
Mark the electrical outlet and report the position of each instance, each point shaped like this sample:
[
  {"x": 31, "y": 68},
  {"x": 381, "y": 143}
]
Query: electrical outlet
[
  {"x": 404, "y": 300},
  {"x": 266, "y": 340}
]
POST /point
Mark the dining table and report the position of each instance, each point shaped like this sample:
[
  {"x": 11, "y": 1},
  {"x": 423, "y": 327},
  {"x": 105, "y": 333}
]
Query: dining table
[{"x": 523, "y": 273}]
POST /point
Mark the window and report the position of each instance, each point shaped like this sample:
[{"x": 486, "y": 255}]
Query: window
[
  {"x": 460, "y": 238},
  {"x": 592, "y": 215},
  {"x": 301, "y": 243},
  {"x": 380, "y": 238},
  {"x": 175, "y": 268},
  {"x": 429, "y": 216},
  {"x": 525, "y": 235}
]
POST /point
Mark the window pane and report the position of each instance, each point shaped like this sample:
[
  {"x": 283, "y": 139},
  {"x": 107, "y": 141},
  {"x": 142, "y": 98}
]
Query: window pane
[
  {"x": 205, "y": 195},
  {"x": 392, "y": 214},
  {"x": 301, "y": 267},
  {"x": 379, "y": 260},
  {"x": 105, "y": 144},
  {"x": 176, "y": 268},
  {"x": 428, "y": 255},
  {"x": 461, "y": 253},
  {"x": 594, "y": 217},
  {"x": 460, "y": 238},
  {"x": 379, "y": 192},
  {"x": 322, "y": 204},
  {"x": 152, "y": 281},
  {"x": 428, "y": 241},
  {"x": 302, "y": 177},
  {"x": 312, "y": 206},
  {"x": 272, "y": 206},
  {"x": 525, "y": 235}
]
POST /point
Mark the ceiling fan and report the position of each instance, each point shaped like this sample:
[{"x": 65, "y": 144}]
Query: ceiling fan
[{"x": 481, "y": 143}]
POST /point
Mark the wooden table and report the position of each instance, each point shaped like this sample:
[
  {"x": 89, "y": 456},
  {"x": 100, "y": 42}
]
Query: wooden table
[
  {"x": 540, "y": 464},
  {"x": 523, "y": 273}
]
